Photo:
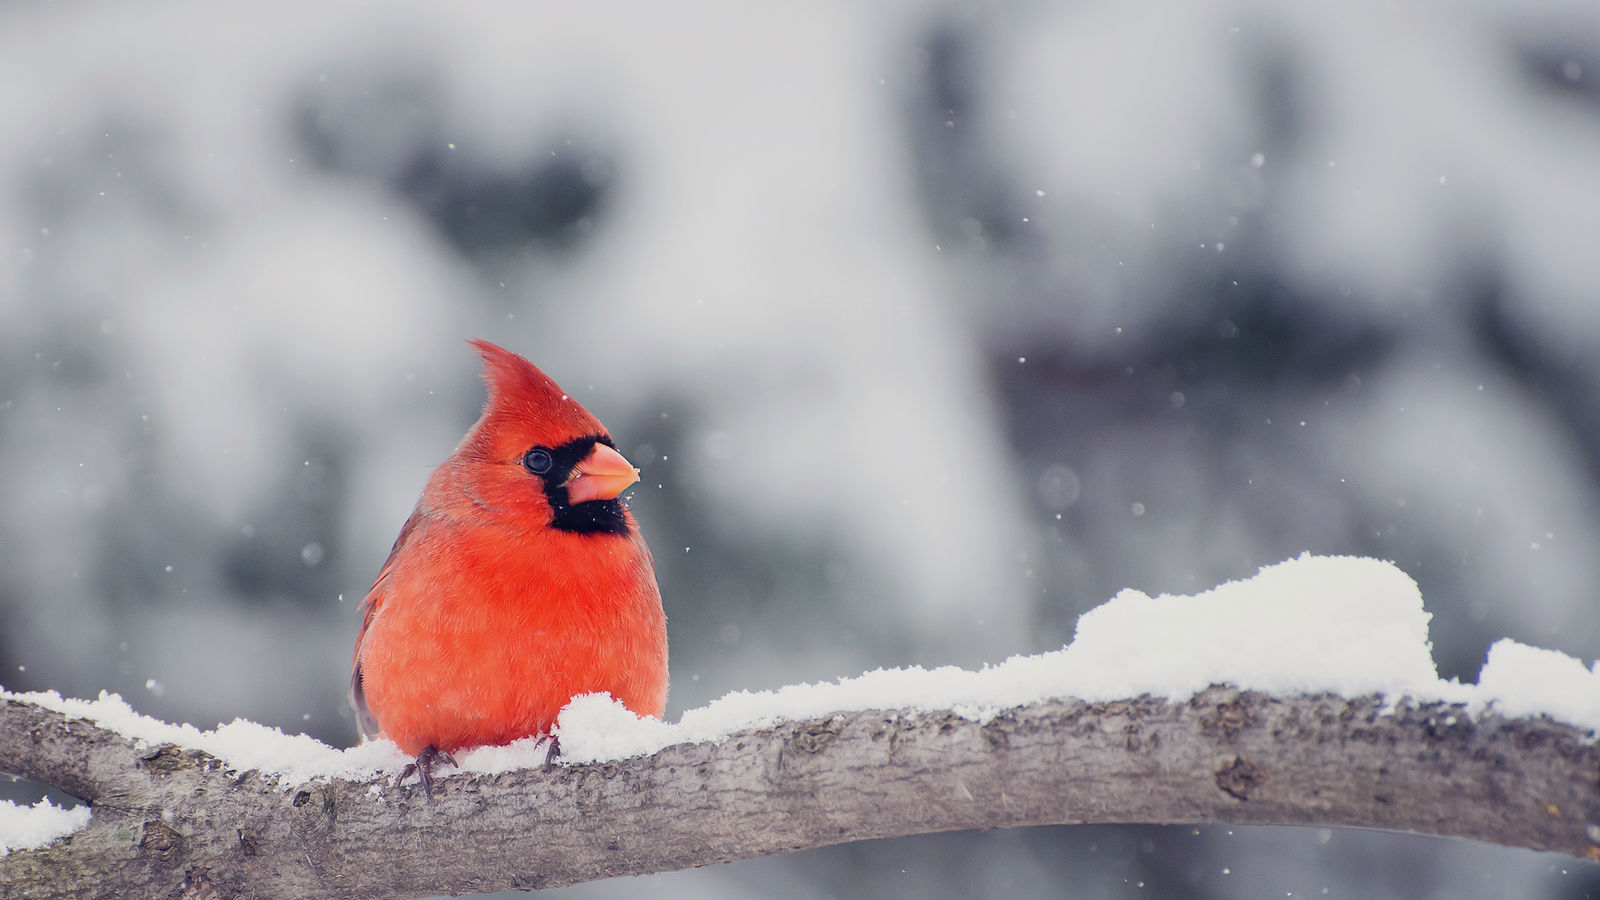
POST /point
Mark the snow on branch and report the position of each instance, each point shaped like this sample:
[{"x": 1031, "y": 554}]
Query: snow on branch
[
  {"x": 173, "y": 821},
  {"x": 1306, "y": 695}
]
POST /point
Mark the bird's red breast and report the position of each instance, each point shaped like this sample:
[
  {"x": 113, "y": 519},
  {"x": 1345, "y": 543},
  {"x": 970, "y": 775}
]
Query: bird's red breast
[{"x": 519, "y": 581}]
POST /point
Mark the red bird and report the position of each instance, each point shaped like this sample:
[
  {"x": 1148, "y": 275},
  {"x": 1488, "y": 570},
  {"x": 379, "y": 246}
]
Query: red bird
[{"x": 519, "y": 581}]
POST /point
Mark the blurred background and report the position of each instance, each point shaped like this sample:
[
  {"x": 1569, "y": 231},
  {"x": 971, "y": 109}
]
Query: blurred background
[{"x": 931, "y": 325}]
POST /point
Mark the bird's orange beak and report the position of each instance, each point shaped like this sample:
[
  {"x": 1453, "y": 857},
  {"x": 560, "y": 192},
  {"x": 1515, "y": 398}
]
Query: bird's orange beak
[{"x": 602, "y": 475}]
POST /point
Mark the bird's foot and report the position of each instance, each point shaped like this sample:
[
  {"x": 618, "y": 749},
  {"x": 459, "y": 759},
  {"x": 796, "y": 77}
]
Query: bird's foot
[
  {"x": 552, "y": 751},
  {"x": 423, "y": 767}
]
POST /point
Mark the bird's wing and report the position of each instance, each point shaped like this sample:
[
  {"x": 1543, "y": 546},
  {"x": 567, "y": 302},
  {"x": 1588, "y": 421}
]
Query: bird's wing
[{"x": 370, "y": 606}]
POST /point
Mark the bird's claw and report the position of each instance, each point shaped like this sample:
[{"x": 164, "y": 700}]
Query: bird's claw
[{"x": 423, "y": 767}]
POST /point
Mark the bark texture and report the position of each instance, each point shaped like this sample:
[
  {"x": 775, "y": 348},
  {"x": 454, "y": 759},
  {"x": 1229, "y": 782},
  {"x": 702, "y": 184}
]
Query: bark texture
[{"x": 172, "y": 822}]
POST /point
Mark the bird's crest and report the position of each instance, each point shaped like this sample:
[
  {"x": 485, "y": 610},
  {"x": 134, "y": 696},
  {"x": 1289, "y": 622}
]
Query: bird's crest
[{"x": 525, "y": 407}]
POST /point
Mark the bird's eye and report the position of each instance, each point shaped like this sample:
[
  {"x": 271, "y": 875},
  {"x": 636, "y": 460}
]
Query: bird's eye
[{"x": 538, "y": 461}]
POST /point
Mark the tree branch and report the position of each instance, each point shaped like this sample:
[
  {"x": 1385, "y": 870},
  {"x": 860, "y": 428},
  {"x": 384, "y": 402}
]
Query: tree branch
[{"x": 175, "y": 822}]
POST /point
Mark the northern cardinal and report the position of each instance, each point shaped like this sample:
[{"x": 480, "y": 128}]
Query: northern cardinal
[{"x": 519, "y": 581}]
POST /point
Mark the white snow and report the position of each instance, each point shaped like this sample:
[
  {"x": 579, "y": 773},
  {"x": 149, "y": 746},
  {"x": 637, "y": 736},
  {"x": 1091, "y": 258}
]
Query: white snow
[
  {"x": 242, "y": 745},
  {"x": 1344, "y": 625},
  {"x": 27, "y": 827},
  {"x": 1527, "y": 681}
]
